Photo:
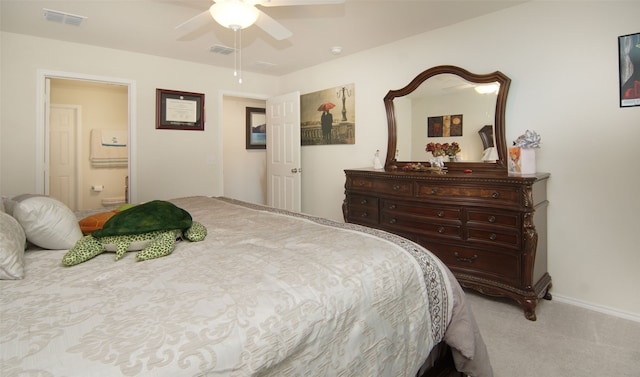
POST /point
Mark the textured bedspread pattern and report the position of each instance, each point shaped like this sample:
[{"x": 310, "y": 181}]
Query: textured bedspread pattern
[{"x": 266, "y": 294}]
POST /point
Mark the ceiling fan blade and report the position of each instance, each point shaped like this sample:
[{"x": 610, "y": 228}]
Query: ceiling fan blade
[
  {"x": 193, "y": 24},
  {"x": 273, "y": 27},
  {"x": 280, "y": 3}
]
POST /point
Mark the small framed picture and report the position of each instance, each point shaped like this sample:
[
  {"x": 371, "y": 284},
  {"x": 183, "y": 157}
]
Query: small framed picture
[
  {"x": 444, "y": 126},
  {"x": 179, "y": 110},
  {"x": 629, "y": 58},
  {"x": 256, "y": 128}
]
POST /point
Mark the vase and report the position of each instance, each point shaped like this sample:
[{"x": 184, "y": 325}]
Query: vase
[{"x": 437, "y": 161}]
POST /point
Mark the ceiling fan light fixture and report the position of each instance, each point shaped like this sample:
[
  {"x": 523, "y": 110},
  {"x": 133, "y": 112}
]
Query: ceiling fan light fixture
[
  {"x": 488, "y": 88},
  {"x": 234, "y": 14}
]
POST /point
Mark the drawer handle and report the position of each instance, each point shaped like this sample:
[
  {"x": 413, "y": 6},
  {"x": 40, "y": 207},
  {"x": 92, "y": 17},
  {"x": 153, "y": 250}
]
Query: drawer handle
[
  {"x": 364, "y": 214},
  {"x": 495, "y": 195},
  {"x": 466, "y": 260},
  {"x": 440, "y": 213},
  {"x": 361, "y": 183},
  {"x": 434, "y": 191},
  {"x": 441, "y": 230},
  {"x": 493, "y": 236},
  {"x": 492, "y": 219},
  {"x": 393, "y": 206},
  {"x": 396, "y": 187},
  {"x": 364, "y": 201},
  {"x": 393, "y": 221}
]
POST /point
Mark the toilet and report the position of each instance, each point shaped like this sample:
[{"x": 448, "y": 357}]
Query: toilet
[{"x": 114, "y": 202}]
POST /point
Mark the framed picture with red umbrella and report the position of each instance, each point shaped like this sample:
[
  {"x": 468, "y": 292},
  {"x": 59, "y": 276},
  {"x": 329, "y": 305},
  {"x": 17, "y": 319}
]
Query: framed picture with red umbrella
[
  {"x": 629, "y": 60},
  {"x": 328, "y": 116}
]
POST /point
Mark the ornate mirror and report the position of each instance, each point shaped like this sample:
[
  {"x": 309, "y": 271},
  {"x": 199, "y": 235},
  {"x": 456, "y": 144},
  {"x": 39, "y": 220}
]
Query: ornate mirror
[{"x": 448, "y": 104}]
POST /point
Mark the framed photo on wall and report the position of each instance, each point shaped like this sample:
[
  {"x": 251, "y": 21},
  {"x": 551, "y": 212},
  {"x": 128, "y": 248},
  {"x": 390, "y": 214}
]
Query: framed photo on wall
[
  {"x": 328, "y": 116},
  {"x": 444, "y": 126},
  {"x": 629, "y": 59},
  {"x": 256, "y": 128},
  {"x": 177, "y": 110}
]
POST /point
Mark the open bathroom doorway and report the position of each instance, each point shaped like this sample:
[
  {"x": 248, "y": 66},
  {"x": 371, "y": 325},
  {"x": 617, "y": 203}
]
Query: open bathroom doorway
[{"x": 87, "y": 141}]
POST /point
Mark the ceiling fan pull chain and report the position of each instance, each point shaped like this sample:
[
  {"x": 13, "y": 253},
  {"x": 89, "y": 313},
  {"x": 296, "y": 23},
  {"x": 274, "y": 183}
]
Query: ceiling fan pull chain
[
  {"x": 235, "y": 52},
  {"x": 240, "y": 57}
]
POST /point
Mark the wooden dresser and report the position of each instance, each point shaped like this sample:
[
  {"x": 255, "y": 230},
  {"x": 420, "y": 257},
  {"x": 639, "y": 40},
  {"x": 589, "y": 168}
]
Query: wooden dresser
[{"x": 489, "y": 230}]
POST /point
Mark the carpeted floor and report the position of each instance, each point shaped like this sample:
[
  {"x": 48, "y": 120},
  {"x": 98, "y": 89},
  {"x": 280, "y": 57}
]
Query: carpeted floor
[{"x": 565, "y": 341}]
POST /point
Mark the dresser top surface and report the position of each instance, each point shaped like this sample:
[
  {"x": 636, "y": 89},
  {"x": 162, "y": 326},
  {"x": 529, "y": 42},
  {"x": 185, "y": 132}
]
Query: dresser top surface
[{"x": 458, "y": 176}]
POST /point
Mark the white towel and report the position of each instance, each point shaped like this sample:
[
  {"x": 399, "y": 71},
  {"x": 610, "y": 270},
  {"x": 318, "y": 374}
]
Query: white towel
[
  {"x": 102, "y": 155},
  {"x": 114, "y": 138}
]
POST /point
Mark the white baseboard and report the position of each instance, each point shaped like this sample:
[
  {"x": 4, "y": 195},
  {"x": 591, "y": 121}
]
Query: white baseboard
[{"x": 598, "y": 308}]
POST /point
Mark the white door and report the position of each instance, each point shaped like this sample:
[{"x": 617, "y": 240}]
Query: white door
[
  {"x": 283, "y": 152},
  {"x": 63, "y": 155}
]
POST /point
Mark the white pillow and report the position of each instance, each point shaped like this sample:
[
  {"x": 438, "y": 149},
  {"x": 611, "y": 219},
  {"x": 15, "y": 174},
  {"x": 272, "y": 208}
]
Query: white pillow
[
  {"x": 47, "y": 222},
  {"x": 7, "y": 205},
  {"x": 12, "y": 244}
]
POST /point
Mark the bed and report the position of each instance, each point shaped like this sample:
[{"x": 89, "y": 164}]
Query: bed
[{"x": 267, "y": 293}]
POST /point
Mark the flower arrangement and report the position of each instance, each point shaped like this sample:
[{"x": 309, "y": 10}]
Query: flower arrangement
[
  {"x": 530, "y": 139},
  {"x": 447, "y": 149}
]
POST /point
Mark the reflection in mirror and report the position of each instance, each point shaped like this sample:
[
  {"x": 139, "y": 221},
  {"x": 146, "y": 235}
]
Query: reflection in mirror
[
  {"x": 457, "y": 110},
  {"x": 448, "y": 104}
]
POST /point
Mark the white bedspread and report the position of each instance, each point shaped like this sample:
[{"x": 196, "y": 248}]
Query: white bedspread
[{"x": 266, "y": 294}]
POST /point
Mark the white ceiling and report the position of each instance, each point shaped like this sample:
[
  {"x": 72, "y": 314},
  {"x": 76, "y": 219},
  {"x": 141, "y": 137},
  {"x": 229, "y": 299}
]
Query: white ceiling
[{"x": 148, "y": 26}]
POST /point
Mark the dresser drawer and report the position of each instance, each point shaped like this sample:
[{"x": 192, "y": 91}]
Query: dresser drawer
[
  {"x": 494, "y": 237},
  {"x": 382, "y": 186},
  {"x": 355, "y": 200},
  {"x": 393, "y": 207},
  {"x": 478, "y": 262},
  {"x": 492, "y": 217},
  {"x": 492, "y": 194},
  {"x": 442, "y": 230},
  {"x": 362, "y": 209},
  {"x": 363, "y": 216}
]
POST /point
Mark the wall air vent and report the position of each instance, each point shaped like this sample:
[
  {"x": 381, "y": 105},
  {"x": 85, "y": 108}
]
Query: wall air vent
[
  {"x": 63, "y": 17},
  {"x": 219, "y": 49}
]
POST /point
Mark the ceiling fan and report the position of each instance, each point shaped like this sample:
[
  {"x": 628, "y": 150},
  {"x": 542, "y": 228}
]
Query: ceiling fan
[{"x": 239, "y": 14}]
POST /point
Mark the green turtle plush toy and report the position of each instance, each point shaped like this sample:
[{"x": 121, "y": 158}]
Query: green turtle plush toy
[{"x": 152, "y": 228}]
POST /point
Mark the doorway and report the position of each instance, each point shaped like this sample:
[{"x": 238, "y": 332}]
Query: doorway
[
  {"x": 244, "y": 175},
  {"x": 87, "y": 194},
  {"x": 246, "y": 171}
]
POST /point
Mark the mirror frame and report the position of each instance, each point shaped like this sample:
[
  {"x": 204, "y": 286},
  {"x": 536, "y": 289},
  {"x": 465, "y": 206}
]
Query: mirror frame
[{"x": 500, "y": 166}]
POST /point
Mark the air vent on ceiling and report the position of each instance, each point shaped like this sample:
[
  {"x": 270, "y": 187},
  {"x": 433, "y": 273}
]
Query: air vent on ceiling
[
  {"x": 63, "y": 17},
  {"x": 264, "y": 64},
  {"x": 219, "y": 49}
]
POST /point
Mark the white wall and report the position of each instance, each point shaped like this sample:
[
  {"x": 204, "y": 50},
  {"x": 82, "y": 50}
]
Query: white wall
[
  {"x": 170, "y": 163},
  {"x": 562, "y": 58}
]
